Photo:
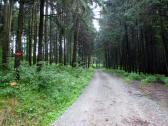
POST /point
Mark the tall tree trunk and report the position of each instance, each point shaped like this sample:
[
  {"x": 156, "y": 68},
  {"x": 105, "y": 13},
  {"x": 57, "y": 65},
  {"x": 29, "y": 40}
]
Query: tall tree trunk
[
  {"x": 55, "y": 49},
  {"x": 31, "y": 25},
  {"x": 64, "y": 51},
  {"x": 19, "y": 39},
  {"x": 60, "y": 46},
  {"x": 75, "y": 46},
  {"x": 35, "y": 35},
  {"x": 6, "y": 32},
  {"x": 46, "y": 32},
  {"x": 40, "y": 43},
  {"x": 51, "y": 42}
]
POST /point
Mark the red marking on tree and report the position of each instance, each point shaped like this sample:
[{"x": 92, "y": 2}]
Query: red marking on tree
[{"x": 18, "y": 53}]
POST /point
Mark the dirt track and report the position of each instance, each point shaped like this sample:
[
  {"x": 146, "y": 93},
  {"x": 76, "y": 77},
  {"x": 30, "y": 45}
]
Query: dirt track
[{"x": 108, "y": 101}]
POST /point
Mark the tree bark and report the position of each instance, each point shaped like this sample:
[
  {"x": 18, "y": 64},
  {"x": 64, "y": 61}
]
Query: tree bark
[
  {"x": 60, "y": 46},
  {"x": 46, "y": 32},
  {"x": 8, "y": 5},
  {"x": 75, "y": 46},
  {"x": 31, "y": 25},
  {"x": 40, "y": 43},
  {"x": 35, "y": 35},
  {"x": 19, "y": 38}
]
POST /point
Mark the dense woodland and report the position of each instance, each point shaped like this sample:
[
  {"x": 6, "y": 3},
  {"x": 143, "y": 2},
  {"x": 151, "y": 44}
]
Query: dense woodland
[
  {"x": 44, "y": 46},
  {"x": 134, "y": 35},
  {"x": 49, "y": 50},
  {"x": 59, "y": 32}
]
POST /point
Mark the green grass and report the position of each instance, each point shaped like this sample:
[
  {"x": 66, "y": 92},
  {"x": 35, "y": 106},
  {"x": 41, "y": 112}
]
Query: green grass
[
  {"x": 144, "y": 78},
  {"x": 41, "y": 97}
]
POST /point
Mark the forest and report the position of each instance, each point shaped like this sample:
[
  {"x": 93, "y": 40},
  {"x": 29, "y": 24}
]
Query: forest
[
  {"x": 51, "y": 49},
  {"x": 134, "y": 35}
]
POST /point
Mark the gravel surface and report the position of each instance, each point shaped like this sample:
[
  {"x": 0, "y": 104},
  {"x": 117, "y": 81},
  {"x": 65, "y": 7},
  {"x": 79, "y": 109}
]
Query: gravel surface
[{"x": 109, "y": 101}]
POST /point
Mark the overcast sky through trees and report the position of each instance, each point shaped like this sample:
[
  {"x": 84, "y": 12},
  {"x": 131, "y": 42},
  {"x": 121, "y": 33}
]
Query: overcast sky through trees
[{"x": 96, "y": 11}]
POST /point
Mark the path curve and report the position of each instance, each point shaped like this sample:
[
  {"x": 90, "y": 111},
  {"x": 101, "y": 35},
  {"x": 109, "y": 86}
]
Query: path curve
[{"x": 108, "y": 101}]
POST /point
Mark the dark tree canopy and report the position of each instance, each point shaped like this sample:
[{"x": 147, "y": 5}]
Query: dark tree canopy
[{"x": 132, "y": 36}]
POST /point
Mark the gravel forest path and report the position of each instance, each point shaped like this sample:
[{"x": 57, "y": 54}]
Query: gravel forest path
[{"x": 109, "y": 101}]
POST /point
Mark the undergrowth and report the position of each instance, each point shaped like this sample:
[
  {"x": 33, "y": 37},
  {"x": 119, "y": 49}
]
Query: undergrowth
[
  {"x": 144, "y": 78},
  {"x": 39, "y": 98}
]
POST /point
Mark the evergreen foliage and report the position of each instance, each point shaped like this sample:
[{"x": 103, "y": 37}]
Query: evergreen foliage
[{"x": 134, "y": 35}]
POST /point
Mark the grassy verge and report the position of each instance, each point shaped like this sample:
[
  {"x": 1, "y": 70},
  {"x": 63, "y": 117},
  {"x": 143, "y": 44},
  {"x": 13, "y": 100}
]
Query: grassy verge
[
  {"x": 144, "y": 78},
  {"x": 39, "y": 98}
]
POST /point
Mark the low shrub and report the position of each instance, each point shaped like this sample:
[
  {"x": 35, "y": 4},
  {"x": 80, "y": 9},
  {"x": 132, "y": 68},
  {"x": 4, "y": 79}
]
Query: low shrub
[
  {"x": 144, "y": 78},
  {"x": 42, "y": 96},
  {"x": 165, "y": 80},
  {"x": 150, "y": 79},
  {"x": 135, "y": 76}
]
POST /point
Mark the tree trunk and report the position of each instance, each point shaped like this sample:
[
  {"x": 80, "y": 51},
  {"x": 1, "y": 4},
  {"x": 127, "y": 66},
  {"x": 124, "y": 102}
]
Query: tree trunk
[
  {"x": 19, "y": 38},
  {"x": 75, "y": 47},
  {"x": 8, "y": 5},
  {"x": 46, "y": 32},
  {"x": 56, "y": 49},
  {"x": 60, "y": 46},
  {"x": 31, "y": 25},
  {"x": 35, "y": 35},
  {"x": 64, "y": 51},
  {"x": 51, "y": 42},
  {"x": 40, "y": 43}
]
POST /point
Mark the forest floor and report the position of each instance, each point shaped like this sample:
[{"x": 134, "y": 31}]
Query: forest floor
[{"x": 110, "y": 101}]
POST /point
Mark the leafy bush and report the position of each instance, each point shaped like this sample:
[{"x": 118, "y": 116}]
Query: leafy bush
[
  {"x": 126, "y": 75},
  {"x": 118, "y": 72},
  {"x": 42, "y": 96},
  {"x": 135, "y": 76},
  {"x": 150, "y": 79},
  {"x": 140, "y": 77},
  {"x": 6, "y": 77},
  {"x": 7, "y": 92},
  {"x": 165, "y": 80}
]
